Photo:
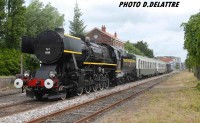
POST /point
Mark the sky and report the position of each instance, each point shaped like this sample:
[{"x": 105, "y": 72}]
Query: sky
[{"x": 159, "y": 27}]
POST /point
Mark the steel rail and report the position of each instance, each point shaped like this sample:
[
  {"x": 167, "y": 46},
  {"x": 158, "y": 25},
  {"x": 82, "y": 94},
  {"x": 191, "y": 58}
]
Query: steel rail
[
  {"x": 95, "y": 114},
  {"x": 57, "y": 113}
]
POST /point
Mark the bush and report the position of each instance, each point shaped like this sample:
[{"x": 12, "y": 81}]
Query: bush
[
  {"x": 30, "y": 62},
  {"x": 10, "y": 60},
  {"x": 198, "y": 86}
]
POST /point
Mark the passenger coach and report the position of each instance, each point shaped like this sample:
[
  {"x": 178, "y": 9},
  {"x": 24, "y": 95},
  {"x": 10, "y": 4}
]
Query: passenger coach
[{"x": 147, "y": 67}]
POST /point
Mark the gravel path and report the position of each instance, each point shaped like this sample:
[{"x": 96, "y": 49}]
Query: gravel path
[{"x": 26, "y": 116}]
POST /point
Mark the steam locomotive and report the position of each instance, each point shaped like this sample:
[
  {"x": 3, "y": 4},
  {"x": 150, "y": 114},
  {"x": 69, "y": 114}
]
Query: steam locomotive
[{"x": 71, "y": 64}]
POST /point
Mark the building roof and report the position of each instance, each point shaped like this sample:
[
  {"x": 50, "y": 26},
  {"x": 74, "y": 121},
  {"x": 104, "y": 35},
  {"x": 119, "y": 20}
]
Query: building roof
[
  {"x": 106, "y": 33},
  {"x": 165, "y": 59}
]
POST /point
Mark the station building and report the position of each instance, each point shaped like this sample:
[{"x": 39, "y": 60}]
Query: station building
[{"x": 102, "y": 36}]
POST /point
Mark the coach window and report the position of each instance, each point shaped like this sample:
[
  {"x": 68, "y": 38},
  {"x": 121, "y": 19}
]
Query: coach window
[
  {"x": 150, "y": 65},
  {"x": 143, "y": 64},
  {"x": 139, "y": 64},
  {"x": 146, "y": 64}
]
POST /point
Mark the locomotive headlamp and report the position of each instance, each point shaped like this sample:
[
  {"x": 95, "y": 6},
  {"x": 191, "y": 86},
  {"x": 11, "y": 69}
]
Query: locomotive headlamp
[
  {"x": 48, "y": 83},
  {"x": 18, "y": 83},
  {"x": 26, "y": 74},
  {"x": 52, "y": 74}
]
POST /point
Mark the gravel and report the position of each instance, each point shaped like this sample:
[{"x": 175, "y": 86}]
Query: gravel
[
  {"x": 9, "y": 91},
  {"x": 13, "y": 99},
  {"x": 29, "y": 115}
]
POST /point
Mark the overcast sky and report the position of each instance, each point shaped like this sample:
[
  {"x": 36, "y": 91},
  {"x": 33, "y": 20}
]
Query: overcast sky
[{"x": 159, "y": 27}]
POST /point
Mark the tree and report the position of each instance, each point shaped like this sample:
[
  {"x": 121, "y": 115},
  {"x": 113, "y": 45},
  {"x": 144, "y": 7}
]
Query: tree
[
  {"x": 131, "y": 49},
  {"x": 192, "y": 42},
  {"x": 40, "y": 18},
  {"x": 14, "y": 25},
  {"x": 77, "y": 27},
  {"x": 2, "y": 18},
  {"x": 143, "y": 47}
]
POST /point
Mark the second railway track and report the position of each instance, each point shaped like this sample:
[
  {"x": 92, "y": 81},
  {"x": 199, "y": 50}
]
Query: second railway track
[
  {"x": 21, "y": 107},
  {"x": 86, "y": 111}
]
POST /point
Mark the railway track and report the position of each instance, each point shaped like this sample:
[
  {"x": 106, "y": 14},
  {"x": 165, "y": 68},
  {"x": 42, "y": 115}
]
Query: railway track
[
  {"x": 87, "y": 111},
  {"x": 9, "y": 93},
  {"x": 22, "y": 107}
]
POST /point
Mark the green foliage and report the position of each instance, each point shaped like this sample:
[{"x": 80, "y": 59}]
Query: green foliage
[
  {"x": 30, "y": 62},
  {"x": 143, "y": 47},
  {"x": 131, "y": 49},
  {"x": 77, "y": 27},
  {"x": 14, "y": 25},
  {"x": 192, "y": 39},
  {"x": 2, "y": 17},
  {"x": 40, "y": 18},
  {"x": 198, "y": 86},
  {"x": 10, "y": 60},
  {"x": 192, "y": 42},
  {"x": 188, "y": 62}
]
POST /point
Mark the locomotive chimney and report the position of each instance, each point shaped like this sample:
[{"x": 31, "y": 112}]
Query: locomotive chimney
[
  {"x": 60, "y": 31},
  {"x": 115, "y": 35}
]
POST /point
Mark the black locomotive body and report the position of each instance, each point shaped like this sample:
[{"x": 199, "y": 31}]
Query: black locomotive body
[{"x": 69, "y": 64}]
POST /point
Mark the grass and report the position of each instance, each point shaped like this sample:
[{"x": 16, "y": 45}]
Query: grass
[
  {"x": 7, "y": 76},
  {"x": 198, "y": 86},
  {"x": 175, "y": 101}
]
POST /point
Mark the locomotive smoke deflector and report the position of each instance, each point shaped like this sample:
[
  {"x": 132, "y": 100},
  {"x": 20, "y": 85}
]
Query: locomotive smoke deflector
[{"x": 27, "y": 44}]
